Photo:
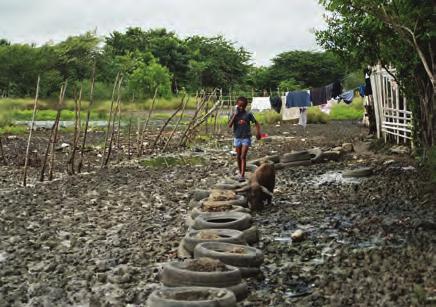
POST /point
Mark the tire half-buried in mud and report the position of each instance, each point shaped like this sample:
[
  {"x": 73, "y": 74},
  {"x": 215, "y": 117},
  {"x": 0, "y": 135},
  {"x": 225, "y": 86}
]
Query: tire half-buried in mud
[
  {"x": 191, "y": 297},
  {"x": 194, "y": 237},
  {"x": 231, "y": 254},
  {"x": 226, "y": 220},
  {"x": 181, "y": 274}
]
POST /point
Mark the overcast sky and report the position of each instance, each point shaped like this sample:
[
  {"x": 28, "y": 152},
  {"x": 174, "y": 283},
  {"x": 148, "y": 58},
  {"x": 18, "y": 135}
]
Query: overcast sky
[{"x": 263, "y": 27}]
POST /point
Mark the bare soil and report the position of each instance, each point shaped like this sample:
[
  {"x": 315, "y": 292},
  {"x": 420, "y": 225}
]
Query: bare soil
[{"x": 100, "y": 237}]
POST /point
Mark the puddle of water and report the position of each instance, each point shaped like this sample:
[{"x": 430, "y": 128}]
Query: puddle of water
[{"x": 171, "y": 161}]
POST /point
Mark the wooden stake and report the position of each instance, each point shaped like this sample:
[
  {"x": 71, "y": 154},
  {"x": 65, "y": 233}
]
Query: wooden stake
[
  {"x": 141, "y": 145},
  {"x": 130, "y": 141},
  {"x": 2, "y": 153},
  {"x": 26, "y": 161},
  {"x": 203, "y": 100},
  {"x": 55, "y": 136},
  {"x": 166, "y": 123},
  {"x": 109, "y": 121},
  {"x": 88, "y": 115},
  {"x": 113, "y": 122},
  {"x": 47, "y": 151},
  {"x": 77, "y": 123},
  {"x": 177, "y": 125}
]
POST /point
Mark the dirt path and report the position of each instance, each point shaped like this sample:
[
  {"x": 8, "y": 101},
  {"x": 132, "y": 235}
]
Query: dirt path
[{"x": 99, "y": 238}]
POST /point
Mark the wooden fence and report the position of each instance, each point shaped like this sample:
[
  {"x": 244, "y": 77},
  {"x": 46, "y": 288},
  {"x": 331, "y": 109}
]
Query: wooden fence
[{"x": 393, "y": 118}]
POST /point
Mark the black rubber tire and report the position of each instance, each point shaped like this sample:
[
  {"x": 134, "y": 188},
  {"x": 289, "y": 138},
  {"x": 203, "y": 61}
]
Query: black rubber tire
[
  {"x": 225, "y": 220},
  {"x": 252, "y": 257},
  {"x": 359, "y": 172},
  {"x": 175, "y": 274},
  {"x": 240, "y": 291},
  {"x": 316, "y": 154},
  {"x": 226, "y": 235},
  {"x": 240, "y": 200},
  {"x": 169, "y": 297},
  {"x": 296, "y": 156},
  {"x": 251, "y": 235},
  {"x": 199, "y": 194},
  {"x": 196, "y": 211},
  {"x": 331, "y": 155},
  {"x": 280, "y": 166}
]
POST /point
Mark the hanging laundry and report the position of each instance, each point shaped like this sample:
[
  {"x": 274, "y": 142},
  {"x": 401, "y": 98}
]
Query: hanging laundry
[
  {"x": 260, "y": 104},
  {"x": 326, "y": 108},
  {"x": 298, "y": 99},
  {"x": 337, "y": 89},
  {"x": 362, "y": 90},
  {"x": 303, "y": 117},
  {"x": 347, "y": 96},
  {"x": 318, "y": 96},
  {"x": 329, "y": 91},
  {"x": 276, "y": 103},
  {"x": 291, "y": 113},
  {"x": 368, "y": 88}
]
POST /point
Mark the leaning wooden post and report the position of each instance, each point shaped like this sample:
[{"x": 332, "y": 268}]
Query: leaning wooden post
[
  {"x": 166, "y": 124},
  {"x": 203, "y": 100},
  {"x": 177, "y": 125},
  {"x": 77, "y": 103},
  {"x": 88, "y": 115},
  {"x": 2, "y": 152},
  {"x": 113, "y": 122},
  {"x": 129, "y": 156},
  {"x": 44, "y": 163},
  {"x": 55, "y": 136},
  {"x": 26, "y": 161},
  {"x": 150, "y": 111},
  {"x": 109, "y": 120}
]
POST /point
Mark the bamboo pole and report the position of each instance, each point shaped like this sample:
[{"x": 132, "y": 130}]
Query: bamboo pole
[
  {"x": 150, "y": 111},
  {"x": 109, "y": 121},
  {"x": 118, "y": 126},
  {"x": 129, "y": 156},
  {"x": 77, "y": 124},
  {"x": 166, "y": 123},
  {"x": 44, "y": 163},
  {"x": 2, "y": 152},
  {"x": 55, "y": 136},
  {"x": 177, "y": 125},
  {"x": 26, "y": 161},
  {"x": 88, "y": 115},
  {"x": 203, "y": 100},
  {"x": 113, "y": 122}
]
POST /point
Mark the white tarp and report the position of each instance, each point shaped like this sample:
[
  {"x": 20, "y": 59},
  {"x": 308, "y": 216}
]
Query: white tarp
[{"x": 260, "y": 104}]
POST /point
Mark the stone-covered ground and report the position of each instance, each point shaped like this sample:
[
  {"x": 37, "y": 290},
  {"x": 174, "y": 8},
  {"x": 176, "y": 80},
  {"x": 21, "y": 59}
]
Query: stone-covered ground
[{"x": 99, "y": 238}]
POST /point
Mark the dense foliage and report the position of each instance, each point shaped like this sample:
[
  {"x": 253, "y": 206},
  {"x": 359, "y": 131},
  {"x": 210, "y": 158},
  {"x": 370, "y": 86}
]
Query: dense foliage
[
  {"x": 400, "y": 33},
  {"x": 155, "y": 59}
]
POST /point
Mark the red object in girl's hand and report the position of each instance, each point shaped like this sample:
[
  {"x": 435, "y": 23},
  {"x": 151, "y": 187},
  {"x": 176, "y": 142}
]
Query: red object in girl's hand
[{"x": 263, "y": 135}]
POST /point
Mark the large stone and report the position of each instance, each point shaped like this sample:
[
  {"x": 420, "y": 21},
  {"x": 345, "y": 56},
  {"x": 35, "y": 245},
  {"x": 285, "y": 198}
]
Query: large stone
[{"x": 298, "y": 235}]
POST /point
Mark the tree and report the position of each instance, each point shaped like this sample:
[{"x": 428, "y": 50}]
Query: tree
[
  {"x": 145, "y": 78},
  {"x": 396, "y": 32},
  {"x": 216, "y": 62},
  {"x": 166, "y": 47},
  {"x": 310, "y": 69},
  {"x": 76, "y": 56}
]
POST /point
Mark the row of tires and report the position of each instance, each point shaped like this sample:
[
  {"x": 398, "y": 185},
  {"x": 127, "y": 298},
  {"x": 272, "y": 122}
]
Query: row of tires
[{"x": 216, "y": 253}]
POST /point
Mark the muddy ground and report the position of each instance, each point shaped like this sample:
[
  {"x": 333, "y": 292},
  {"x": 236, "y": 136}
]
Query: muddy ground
[{"x": 99, "y": 238}]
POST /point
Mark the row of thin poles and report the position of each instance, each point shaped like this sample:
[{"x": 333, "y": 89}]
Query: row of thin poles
[{"x": 208, "y": 105}]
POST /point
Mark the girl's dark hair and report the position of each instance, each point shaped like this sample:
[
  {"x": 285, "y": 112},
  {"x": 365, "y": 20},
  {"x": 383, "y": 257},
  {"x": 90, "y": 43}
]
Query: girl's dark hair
[{"x": 243, "y": 99}]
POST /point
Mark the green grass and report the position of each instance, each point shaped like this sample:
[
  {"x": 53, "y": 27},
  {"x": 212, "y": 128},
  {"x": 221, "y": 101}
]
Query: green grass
[
  {"x": 316, "y": 116},
  {"x": 13, "y": 130},
  {"x": 353, "y": 111}
]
